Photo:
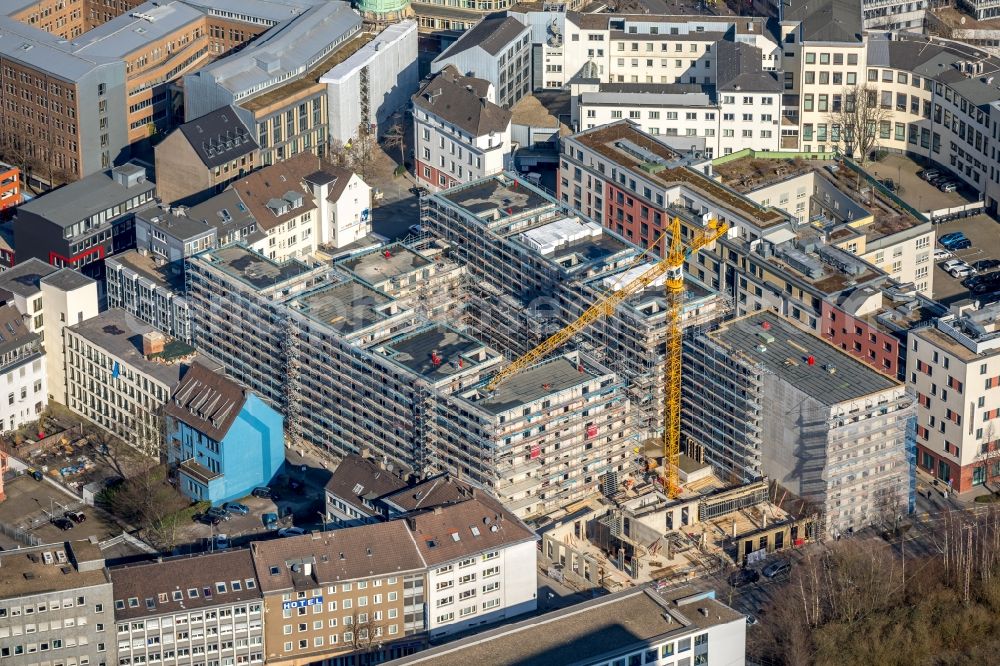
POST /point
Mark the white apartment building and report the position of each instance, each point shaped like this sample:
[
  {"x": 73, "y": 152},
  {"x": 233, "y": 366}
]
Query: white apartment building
[
  {"x": 460, "y": 134},
  {"x": 954, "y": 368},
  {"x": 120, "y": 371},
  {"x": 485, "y": 569},
  {"x": 343, "y": 206},
  {"x": 22, "y": 371},
  {"x": 741, "y": 110},
  {"x": 51, "y": 299},
  {"x": 894, "y": 14},
  {"x": 497, "y": 50},
  {"x": 635, "y": 48}
]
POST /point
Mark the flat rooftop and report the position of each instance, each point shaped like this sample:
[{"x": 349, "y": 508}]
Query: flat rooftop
[
  {"x": 748, "y": 174},
  {"x": 252, "y": 267},
  {"x": 535, "y": 383},
  {"x": 573, "y": 243},
  {"x": 385, "y": 264},
  {"x": 346, "y": 307},
  {"x": 49, "y": 568},
  {"x": 783, "y": 349},
  {"x": 162, "y": 275},
  {"x": 499, "y": 195},
  {"x": 604, "y": 626},
  {"x": 437, "y": 352},
  {"x": 623, "y": 144},
  {"x": 120, "y": 334}
]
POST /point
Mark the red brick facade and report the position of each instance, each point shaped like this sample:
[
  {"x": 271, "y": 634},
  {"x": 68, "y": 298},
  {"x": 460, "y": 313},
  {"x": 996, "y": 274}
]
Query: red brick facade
[
  {"x": 429, "y": 176},
  {"x": 860, "y": 339}
]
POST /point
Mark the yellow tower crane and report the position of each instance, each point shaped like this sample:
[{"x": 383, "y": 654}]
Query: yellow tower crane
[{"x": 671, "y": 265}]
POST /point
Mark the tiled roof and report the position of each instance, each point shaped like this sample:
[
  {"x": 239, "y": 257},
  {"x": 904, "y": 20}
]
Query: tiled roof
[
  {"x": 207, "y": 401},
  {"x": 274, "y": 185},
  {"x": 357, "y": 477},
  {"x": 453, "y": 531},
  {"x": 461, "y": 101},
  {"x": 184, "y": 583},
  {"x": 339, "y": 555},
  {"x": 219, "y": 137}
]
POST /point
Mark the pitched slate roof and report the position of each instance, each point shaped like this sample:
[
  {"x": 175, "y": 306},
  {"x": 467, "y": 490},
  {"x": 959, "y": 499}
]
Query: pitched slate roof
[
  {"x": 338, "y": 555},
  {"x": 159, "y": 587},
  {"x": 461, "y": 101},
  {"x": 219, "y": 137},
  {"x": 207, "y": 401},
  {"x": 493, "y": 34},
  {"x": 739, "y": 68},
  {"x": 264, "y": 190},
  {"x": 826, "y": 20},
  {"x": 358, "y": 478}
]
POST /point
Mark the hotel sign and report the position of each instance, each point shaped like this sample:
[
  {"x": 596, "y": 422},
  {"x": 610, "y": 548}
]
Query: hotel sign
[{"x": 302, "y": 603}]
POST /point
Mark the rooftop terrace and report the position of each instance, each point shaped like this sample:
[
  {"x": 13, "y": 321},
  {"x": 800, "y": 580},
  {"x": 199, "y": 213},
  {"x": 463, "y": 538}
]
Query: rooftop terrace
[
  {"x": 385, "y": 264},
  {"x": 670, "y": 169},
  {"x": 253, "y": 268},
  {"x": 499, "y": 196},
  {"x": 438, "y": 352},
  {"x": 346, "y": 307},
  {"x": 784, "y": 350},
  {"x": 535, "y": 383},
  {"x": 161, "y": 275}
]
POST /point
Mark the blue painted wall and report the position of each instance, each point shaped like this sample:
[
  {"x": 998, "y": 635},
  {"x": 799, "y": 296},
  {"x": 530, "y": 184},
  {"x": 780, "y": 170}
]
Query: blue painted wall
[{"x": 250, "y": 455}]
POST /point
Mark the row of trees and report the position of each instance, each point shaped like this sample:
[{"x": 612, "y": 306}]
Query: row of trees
[{"x": 864, "y": 602}]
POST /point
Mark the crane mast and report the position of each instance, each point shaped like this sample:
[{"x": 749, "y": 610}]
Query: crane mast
[{"x": 671, "y": 265}]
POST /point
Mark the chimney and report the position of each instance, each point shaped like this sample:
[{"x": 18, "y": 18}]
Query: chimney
[
  {"x": 153, "y": 343},
  {"x": 437, "y": 511}
]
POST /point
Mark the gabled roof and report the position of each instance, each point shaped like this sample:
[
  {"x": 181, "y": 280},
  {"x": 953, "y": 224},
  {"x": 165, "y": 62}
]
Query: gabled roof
[
  {"x": 13, "y": 332},
  {"x": 493, "y": 34},
  {"x": 826, "y": 20},
  {"x": 219, "y": 137},
  {"x": 358, "y": 478},
  {"x": 461, "y": 101},
  {"x": 271, "y": 189},
  {"x": 739, "y": 68},
  {"x": 469, "y": 527},
  {"x": 382, "y": 549},
  {"x": 207, "y": 401},
  {"x": 184, "y": 583}
]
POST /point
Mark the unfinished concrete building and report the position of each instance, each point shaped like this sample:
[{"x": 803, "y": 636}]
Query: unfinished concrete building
[
  {"x": 786, "y": 404},
  {"x": 537, "y": 268}
]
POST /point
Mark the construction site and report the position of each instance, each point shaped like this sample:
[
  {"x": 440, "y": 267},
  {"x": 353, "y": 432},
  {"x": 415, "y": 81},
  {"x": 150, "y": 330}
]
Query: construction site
[{"x": 435, "y": 345}]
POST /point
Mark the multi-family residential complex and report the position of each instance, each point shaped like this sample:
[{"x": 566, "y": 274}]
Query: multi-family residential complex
[
  {"x": 184, "y": 610},
  {"x": 954, "y": 367},
  {"x": 56, "y": 606},
  {"x": 120, "y": 372},
  {"x": 497, "y": 50},
  {"x": 459, "y": 133},
  {"x": 392, "y": 324},
  {"x": 787, "y": 405}
]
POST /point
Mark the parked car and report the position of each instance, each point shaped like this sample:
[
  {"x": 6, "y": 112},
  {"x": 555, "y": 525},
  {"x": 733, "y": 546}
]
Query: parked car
[
  {"x": 985, "y": 286},
  {"x": 890, "y": 184},
  {"x": 963, "y": 244},
  {"x": 237, "y": 508},
  {"x": 948, "y": 186},
  {"x": 961, "y": 272},
  {"x": 220, "y": 512},
  {"x": 264, "y": 492},
  {"x": 927, "y": 174},
  {"x": 291, "y": 531},
  {"x": 832, "y": 168},
  {"x": 63, "y": 523},
  {"x": 270, "y": 520},
  {"x": 941, "y": 254},
  {"x": 777, "y": 568},
  {"x": 953, "y": 236},
  {"x": 743, "y": 577},
  {"x": 952, "y": 263},
  {"x": 207, "y": 519},
  {"x": 75, "y": 516},
  {"x": 986, "y": 264},
  {"x": 221, "y": 542}
]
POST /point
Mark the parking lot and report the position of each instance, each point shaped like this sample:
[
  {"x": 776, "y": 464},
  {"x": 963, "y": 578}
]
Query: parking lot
[
  {"x": 30, "y": 504},
  {"x": 918, "y": 193},
  {"x": 984, "y": 232}
]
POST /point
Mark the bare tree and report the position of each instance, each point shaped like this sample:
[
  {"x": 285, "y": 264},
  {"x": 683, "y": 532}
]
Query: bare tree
[
  {"x": 855, "y": 120},
  {"x": 394, "y": 138},
  {"x": 366, "y": 637},
  {"x": 361, "y": 152}
]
